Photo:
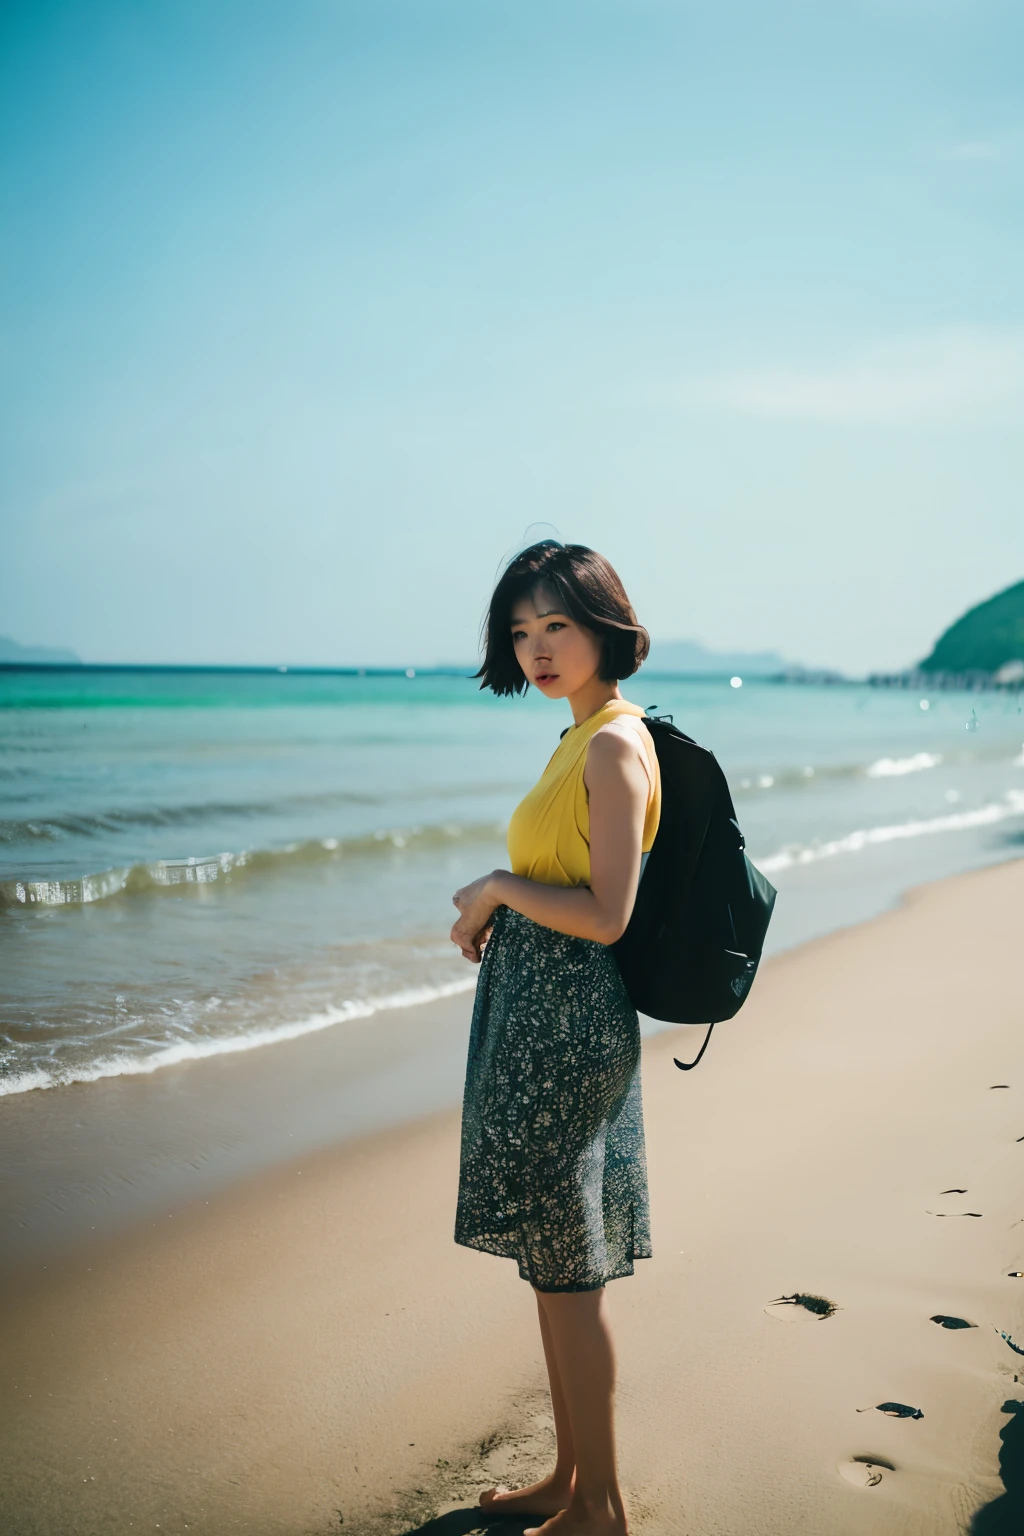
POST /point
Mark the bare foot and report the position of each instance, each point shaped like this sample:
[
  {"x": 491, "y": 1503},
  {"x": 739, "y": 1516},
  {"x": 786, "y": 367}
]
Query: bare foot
[
  {"x": 580, "y": 1522},
  {"x": 544, "y": 1498}
]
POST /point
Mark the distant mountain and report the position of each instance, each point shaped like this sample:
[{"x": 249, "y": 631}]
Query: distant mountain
[
  {"x": 690, "y": 656},
  {"x": 10, "y": 650},
  {"x": 985, "y": 638}
]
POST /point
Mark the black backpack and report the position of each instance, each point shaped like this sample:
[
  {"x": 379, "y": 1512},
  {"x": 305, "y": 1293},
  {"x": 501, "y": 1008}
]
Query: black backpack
[{"x": 694, "y": 940}]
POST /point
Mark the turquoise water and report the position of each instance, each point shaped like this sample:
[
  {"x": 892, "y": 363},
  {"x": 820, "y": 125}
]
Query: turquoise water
[{"x": 193, "y": 863}]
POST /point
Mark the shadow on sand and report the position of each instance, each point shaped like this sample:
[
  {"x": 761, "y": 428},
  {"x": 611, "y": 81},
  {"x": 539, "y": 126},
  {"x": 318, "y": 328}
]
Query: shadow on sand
[
  {"x": 1005, "y": 1516},
  {"x": 463, "y": 1522}
]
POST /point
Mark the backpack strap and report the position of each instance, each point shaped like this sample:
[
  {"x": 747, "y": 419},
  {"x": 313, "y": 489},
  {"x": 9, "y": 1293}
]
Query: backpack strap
[{"x": 688, "y": 1066}]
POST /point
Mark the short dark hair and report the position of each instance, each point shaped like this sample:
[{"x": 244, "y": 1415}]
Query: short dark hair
[{"x": 588, "y": 590}]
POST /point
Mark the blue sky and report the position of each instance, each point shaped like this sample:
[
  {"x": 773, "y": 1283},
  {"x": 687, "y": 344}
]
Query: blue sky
[{"x": 310, "y": 311}]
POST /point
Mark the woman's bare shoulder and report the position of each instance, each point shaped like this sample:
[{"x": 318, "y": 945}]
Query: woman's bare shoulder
[
  {"x": 617, "y": 745},
  {"x": 621, "y": 743}
]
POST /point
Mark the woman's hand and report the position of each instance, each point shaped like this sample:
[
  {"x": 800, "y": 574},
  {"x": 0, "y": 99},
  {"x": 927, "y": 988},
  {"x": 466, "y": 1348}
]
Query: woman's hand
[{"x": 476, "y": 903}]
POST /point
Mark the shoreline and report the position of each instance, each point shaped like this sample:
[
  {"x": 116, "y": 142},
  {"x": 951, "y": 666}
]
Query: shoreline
[
  {"x": 88, "y": 1158},
  {"x": 102, "y": 1157},
  {"x": 309, "y": 1339}
]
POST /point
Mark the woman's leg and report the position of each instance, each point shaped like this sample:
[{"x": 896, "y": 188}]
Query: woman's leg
[
  {"x": 585, "y": 1358},
  {"x": 565, "y": 1454},
  {"x": 552, "y": 1493}
]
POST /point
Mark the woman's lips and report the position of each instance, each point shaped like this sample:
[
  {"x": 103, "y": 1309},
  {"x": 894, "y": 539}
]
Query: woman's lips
[{"x": 545, "y": 677}]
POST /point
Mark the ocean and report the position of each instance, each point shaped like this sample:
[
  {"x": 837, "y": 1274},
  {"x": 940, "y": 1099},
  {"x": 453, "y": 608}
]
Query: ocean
[{"x": 198, "y": 863}]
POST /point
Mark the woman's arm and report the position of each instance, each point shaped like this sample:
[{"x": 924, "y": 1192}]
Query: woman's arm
[{"x": 618, "y": 784}]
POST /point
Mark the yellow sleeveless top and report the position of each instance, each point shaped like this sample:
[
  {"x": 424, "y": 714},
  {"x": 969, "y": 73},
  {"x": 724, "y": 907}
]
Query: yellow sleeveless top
[{"x": 549, "y": 834}]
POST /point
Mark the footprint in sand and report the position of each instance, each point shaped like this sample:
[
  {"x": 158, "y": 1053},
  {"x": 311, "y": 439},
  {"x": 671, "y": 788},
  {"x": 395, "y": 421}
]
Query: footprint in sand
[
  {"x": 952, "y": 1213},
  {"x": 1015, "y": 1274},
  {"x": 864, "y": 1471},
  {"x": 894, "y": 1410},
  {"x": 952, "y": 1322},
  {"x": 1018, "y": 1349},
  {"x": 801, "y": 1307}
]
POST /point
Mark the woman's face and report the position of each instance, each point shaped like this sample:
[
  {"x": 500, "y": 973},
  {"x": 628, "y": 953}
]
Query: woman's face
[{"x": 557, "y": 655}]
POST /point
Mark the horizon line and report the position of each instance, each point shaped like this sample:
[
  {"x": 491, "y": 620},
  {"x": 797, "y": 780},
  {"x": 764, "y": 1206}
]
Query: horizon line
[{"x": 270, "y": 669}]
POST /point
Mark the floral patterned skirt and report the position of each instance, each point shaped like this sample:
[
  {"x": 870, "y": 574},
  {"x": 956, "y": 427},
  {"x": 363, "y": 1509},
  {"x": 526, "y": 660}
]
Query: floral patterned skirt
[{"x": 553, "y": 1170}]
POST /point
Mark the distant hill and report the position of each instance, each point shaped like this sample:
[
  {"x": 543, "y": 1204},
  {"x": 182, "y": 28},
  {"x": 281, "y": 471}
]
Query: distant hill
[
  {"x": 10, "y": 650},
  {"x": 985, "y": 638},
  {"x": 691, "y": 656}
]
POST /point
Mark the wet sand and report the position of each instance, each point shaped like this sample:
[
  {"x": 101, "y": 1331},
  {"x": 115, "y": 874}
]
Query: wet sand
[{"x": 306, "y": 1350}]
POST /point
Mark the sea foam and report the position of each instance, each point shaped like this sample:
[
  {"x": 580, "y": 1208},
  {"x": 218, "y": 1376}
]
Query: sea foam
[
  {"x": 871, "y": 837},
  {"x": 895, "y": 767},
  {"x": 226, "y": 1045}
]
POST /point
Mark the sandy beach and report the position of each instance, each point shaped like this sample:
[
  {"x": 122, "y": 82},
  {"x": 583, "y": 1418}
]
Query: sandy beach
[{"x": 305, "y": 1350}]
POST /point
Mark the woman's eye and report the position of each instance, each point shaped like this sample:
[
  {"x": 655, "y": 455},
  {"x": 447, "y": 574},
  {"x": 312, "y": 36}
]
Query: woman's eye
[{"x": 556, "y": 625}]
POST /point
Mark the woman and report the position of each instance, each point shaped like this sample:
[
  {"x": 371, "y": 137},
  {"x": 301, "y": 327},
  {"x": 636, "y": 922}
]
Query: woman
[{"x": 553, "y": 1170}]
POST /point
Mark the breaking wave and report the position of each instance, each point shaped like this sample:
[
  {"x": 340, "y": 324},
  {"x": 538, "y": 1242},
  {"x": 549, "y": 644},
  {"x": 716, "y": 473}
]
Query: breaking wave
[
  {"x": 896, "y": 767},
  {"x": 125, "y": 1065},
  {"x": 160, "y": 874},
  {"x": 871, "y": 837}
]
